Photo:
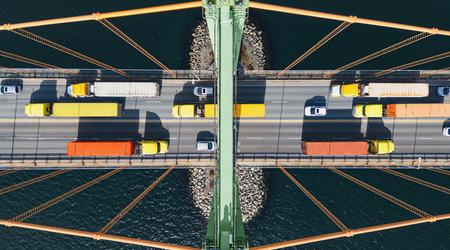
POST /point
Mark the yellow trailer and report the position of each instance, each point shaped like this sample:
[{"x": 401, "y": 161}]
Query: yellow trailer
[
  {"x": 211, "y": 110},
  {"x": 74, "y": 109}
]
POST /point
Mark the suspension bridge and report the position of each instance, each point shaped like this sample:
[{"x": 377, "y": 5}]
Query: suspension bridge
[{"x": 272, "y": 141}]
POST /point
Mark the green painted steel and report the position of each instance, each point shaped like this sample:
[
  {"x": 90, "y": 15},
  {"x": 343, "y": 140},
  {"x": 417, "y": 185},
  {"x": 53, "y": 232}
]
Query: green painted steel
[{"x": 225, "y": 19}]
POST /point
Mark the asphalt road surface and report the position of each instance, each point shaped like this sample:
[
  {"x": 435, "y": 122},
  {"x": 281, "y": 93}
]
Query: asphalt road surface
[{"x": 280, "y": 131}]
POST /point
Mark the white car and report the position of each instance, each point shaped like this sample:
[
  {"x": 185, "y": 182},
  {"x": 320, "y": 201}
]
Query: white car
[
  {"x": 446, "y": 131},
  {"x": 9, "y": 89},
  {"x": 207, "y": 146},
  {"x": 443, "y": 91},
  {"x": 315, "y": 111},
  {"x": 203, "y": 91}
]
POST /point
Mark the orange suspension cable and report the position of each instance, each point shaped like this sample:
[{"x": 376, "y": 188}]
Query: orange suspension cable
[
  {"x": 135, "y": 45},
  {"x": 316, "y": 46},
  {"x": 415, "y": 63},
  {"x": 91, "y": 235},
  {"x": 64, "y": 196},
  {"x": 353, "y": 232},
  {"x": 27, "y": 60},
  {"x": 315, "y": 200},
  {"x": 31, "y": 181},
  {"x": 384, "y": 51},
  {"x": 388, "y": 197},
  {"x": 114, "y": 14},
  {"x": 440, "y": 171},
  {"x": 350, "y": 19},
  {"x": 435, "y": 71},
  {"x": 51, "y": 44},
  {"x": 417, "y": 180},
  {"x": 6, "y": 172},
  {"x": 130, "y": 206}
]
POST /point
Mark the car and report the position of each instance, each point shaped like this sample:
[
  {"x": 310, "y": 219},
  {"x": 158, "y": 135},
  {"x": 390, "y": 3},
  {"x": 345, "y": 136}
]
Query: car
[
  {"x": 207, "y": 146},
  {"x": 443, "y": 91},
  {"x": 203, "y": 91},
  {"x": 446, "y": 131},
  {"x": 315, "y": 111},
  {"x": 9, "y": 89}
]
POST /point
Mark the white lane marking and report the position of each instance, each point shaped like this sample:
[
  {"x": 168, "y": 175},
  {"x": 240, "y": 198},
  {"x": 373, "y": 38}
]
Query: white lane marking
[
  {"x": 425, "y": 138},
  {"x": 294, "y": 138},
  {"x": 173, "y": 138},
  {"x": 254, "y": 138},
  {"x": 152, "y": 101},
  {"x": 279, "y": 102}
]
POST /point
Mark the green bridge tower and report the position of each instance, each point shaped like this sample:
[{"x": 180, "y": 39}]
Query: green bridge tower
[{"x": 225, "y": 19}]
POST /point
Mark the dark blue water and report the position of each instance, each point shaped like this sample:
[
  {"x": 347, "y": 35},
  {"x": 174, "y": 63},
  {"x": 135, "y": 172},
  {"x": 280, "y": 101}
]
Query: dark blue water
[{"x": 167, "y": 213}]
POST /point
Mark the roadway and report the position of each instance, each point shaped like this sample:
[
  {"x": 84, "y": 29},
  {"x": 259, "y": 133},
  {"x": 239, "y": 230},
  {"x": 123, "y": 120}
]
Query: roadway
[{"x": 281, "y": 131}]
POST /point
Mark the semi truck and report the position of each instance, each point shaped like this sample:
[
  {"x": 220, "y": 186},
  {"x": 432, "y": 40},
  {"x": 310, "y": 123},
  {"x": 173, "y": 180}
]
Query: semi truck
[
  {"x": 380, "y": 90},
  {"x": 116, "y": 148},
  {"x": 347, "y": 147},
  {"x": 73, "y": 109},
  {"x": 402, "y": 110},
  {"x": 207, "y": 110},
  {"x": 114, "y": 89}
]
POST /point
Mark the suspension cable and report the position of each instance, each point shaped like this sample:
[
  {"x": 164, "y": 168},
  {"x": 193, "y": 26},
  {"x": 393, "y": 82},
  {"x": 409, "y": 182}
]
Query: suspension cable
[
  {"x": 415, "y": 63},
  {"x": 350, "y": 19},
  {"x": 136, "y": 200},
  {"x": 381, "y": 52},
  {"x": 440, "y": 171},
  {"x": 32, "y": 181},
  {"x": 353, "y": 232},
  {"x": 64, "y": 196},
  {"x": 417, "y": 180},
  {"x": 51, "y": 44},
  {"x": 134, "y": 44},
  {"x": 435, "y": 71},
  {"x": 316, "y": 46},
  {"x": 386, "y": 196},
  {"x": 6, "y": 172},
  {"x": 27, "y": 60},
  {"x": 315, "y": 200}
]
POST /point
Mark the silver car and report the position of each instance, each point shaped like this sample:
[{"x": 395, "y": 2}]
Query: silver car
[
  {"x": 203, "y": 91},
  {"x": 315, "y": 111},
  {"x": 443, "y": 91},
  {"x": 206, "y": 146},
  {"x": 9, "y": 89}
]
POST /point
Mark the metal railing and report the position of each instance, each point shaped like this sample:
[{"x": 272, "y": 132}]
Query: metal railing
[{"x": 144, "y": 74}]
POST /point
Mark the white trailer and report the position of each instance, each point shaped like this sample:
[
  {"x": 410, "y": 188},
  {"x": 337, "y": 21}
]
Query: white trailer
[{"x": 115, "y": 89}]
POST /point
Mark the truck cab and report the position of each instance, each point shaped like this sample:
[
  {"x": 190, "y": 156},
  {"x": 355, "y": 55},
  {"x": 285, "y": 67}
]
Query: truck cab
[
  {"x": 345, "y": 90},
  {"x": 381, "y": 147},
  {"x": 38, "y": 109},
  {"x": 367, "y": 110},
  {"x": 79, "y": 90},
  {"x": 153, "y": 147}
]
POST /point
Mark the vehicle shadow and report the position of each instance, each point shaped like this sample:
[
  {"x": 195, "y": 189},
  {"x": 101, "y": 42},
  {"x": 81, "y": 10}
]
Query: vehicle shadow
[
  {"x": 337, "y": 125},
  {"x": 154, "y": 129},
  {"x": 110, "y": 128},
  {"x": 376, "y": 130},
  {"x": 186, "y": 95},
  {"x": 46, "y": 93},
  {"x": 206, "y": 136},
  {"x": 13, "y": 82}
]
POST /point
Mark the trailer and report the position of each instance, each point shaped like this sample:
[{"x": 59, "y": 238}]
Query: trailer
[
  {"x": 114, "y": 89},
  {"x": 116, "y": 148},
  {"x": 402, "y": 110},
  {"x": 347, "y": 147},
  {"x": 380, "y": 90},
  {"x": 65, "y": 109},
  {"x": 211, "y": 110}
]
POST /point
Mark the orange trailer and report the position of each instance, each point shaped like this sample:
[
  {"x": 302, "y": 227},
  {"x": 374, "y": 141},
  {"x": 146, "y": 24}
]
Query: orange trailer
[
  {"x": 100, "y": 148},
  {"x": 336, "y": 148}
]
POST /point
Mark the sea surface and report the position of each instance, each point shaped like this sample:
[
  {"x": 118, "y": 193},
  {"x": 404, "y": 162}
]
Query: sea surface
[{"x": 167, "y": 213}]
